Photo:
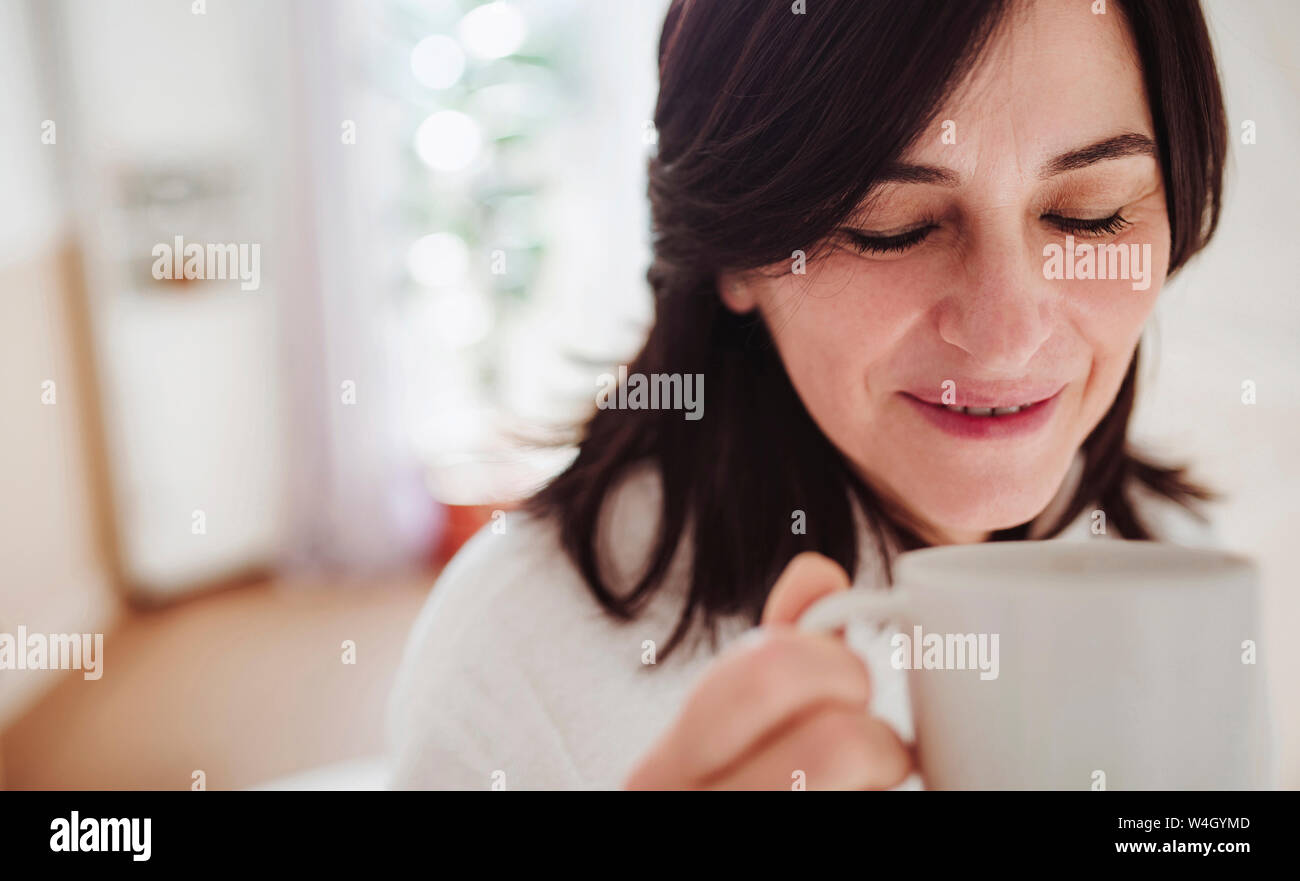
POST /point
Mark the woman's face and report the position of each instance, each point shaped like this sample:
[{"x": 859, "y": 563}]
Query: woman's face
[{"x": 938, "y": 294}]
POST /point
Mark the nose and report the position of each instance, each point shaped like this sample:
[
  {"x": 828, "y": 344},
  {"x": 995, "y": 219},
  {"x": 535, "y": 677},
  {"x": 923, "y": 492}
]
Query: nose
[{"x": 1000, "y": 315}]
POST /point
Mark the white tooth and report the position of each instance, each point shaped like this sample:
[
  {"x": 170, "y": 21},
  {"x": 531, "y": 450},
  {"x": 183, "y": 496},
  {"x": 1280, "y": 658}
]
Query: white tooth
[
  {"x": 1003, "y": 411},
  {"x": 980, "y": 411}
]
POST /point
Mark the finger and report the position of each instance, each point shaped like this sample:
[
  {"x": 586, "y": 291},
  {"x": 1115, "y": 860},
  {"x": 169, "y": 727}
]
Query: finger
[
  {"x": 749, "y": 692},
  {"x": 832, "y": 748},
  {"x": 806, "y": 579}
]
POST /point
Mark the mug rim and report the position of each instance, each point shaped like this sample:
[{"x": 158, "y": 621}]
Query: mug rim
[{"x": 1041, "y": 563}]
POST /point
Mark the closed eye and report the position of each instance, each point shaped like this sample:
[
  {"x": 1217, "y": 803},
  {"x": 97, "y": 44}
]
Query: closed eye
[
  {"x": 1101, "y": 226},
  {"x": 873, "y": 243},
  {"x": 870, "y": 243}
]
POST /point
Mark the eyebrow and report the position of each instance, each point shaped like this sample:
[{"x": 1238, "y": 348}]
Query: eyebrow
[
  {"x": 1115, "y": 147},
  {"x": 908, "y": 173}
]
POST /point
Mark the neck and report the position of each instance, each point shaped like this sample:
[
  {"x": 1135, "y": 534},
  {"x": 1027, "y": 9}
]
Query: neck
[
  {"x": 928, "y": 532},
  {"x": 935, "y": 536}
]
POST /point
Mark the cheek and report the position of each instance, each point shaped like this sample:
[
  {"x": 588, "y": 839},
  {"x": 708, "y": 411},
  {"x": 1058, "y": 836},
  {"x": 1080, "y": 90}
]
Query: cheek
[
  {"x": 1109, "y": 315},
  {"x": 833, "y": 325}
]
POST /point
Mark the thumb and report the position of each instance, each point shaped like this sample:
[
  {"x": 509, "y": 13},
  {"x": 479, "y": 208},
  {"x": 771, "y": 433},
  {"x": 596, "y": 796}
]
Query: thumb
[{"x": 806, "y": 579}]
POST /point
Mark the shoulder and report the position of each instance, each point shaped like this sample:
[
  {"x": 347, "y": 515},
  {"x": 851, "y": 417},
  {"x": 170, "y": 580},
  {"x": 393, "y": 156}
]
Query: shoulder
[
  {"x": 511, "y": 655},
  {"x": 474, "y": 691},
  {"x": 515, "y": 574},
  {"x": 498, "y": 576}
]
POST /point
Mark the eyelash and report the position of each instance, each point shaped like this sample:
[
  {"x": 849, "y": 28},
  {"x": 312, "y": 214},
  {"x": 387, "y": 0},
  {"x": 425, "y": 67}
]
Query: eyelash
[
  {"x": 1103, "y": 226},
  {"x": 865, "y": 244}
]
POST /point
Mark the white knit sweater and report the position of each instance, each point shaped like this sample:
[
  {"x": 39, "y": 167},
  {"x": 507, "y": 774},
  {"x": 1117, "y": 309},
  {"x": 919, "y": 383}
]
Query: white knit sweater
[{"x": 513, "y": 677}]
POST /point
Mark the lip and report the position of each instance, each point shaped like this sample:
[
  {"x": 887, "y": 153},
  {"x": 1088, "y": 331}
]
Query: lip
[
  {"x": 1015, "y": 425},
  {"x": 989, "y": 395}
]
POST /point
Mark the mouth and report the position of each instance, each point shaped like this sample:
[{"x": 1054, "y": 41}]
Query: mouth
[
  {"x": 990, "y": 418},
  {"x": 987, "y": 411}
]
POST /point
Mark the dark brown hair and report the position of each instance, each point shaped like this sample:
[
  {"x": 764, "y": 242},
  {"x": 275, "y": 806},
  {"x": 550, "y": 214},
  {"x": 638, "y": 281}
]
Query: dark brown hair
[{"x": 772, "y": 127}]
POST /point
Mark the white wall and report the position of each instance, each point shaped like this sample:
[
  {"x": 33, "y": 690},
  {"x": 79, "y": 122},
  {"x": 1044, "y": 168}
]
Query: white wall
[
  {"x": 1234, "y": 315},
  {"x": 32, "y": 219},
  {"x": 190, "y": 379},
  {"x": 52, "y": 578}
]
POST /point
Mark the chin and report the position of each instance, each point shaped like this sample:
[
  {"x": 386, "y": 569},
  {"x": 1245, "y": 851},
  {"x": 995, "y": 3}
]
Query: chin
[{"x": 961, "y": 505}]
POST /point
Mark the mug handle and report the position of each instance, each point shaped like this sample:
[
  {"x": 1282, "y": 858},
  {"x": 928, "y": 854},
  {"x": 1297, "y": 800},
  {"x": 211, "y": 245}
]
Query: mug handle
[{"x": 834, "y": 611}]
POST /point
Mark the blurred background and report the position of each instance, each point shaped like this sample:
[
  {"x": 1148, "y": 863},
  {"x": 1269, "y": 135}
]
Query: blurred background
[{"x": 448, "y": 197}]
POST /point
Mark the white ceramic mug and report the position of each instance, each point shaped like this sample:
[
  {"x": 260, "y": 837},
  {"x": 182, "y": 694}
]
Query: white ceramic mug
[{"x": 1076, "y": 665}]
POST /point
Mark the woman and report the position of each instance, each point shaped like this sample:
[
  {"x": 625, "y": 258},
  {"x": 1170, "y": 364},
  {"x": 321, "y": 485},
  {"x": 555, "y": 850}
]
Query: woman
[{"x": 860, "y": 214}]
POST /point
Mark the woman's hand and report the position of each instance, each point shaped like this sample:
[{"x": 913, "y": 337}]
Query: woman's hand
[{"x": 779, "y": 702}]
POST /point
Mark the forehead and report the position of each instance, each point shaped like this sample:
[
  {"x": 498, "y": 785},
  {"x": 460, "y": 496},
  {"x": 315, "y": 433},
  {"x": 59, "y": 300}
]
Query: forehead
[{"x": 1053, "y": 76}]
